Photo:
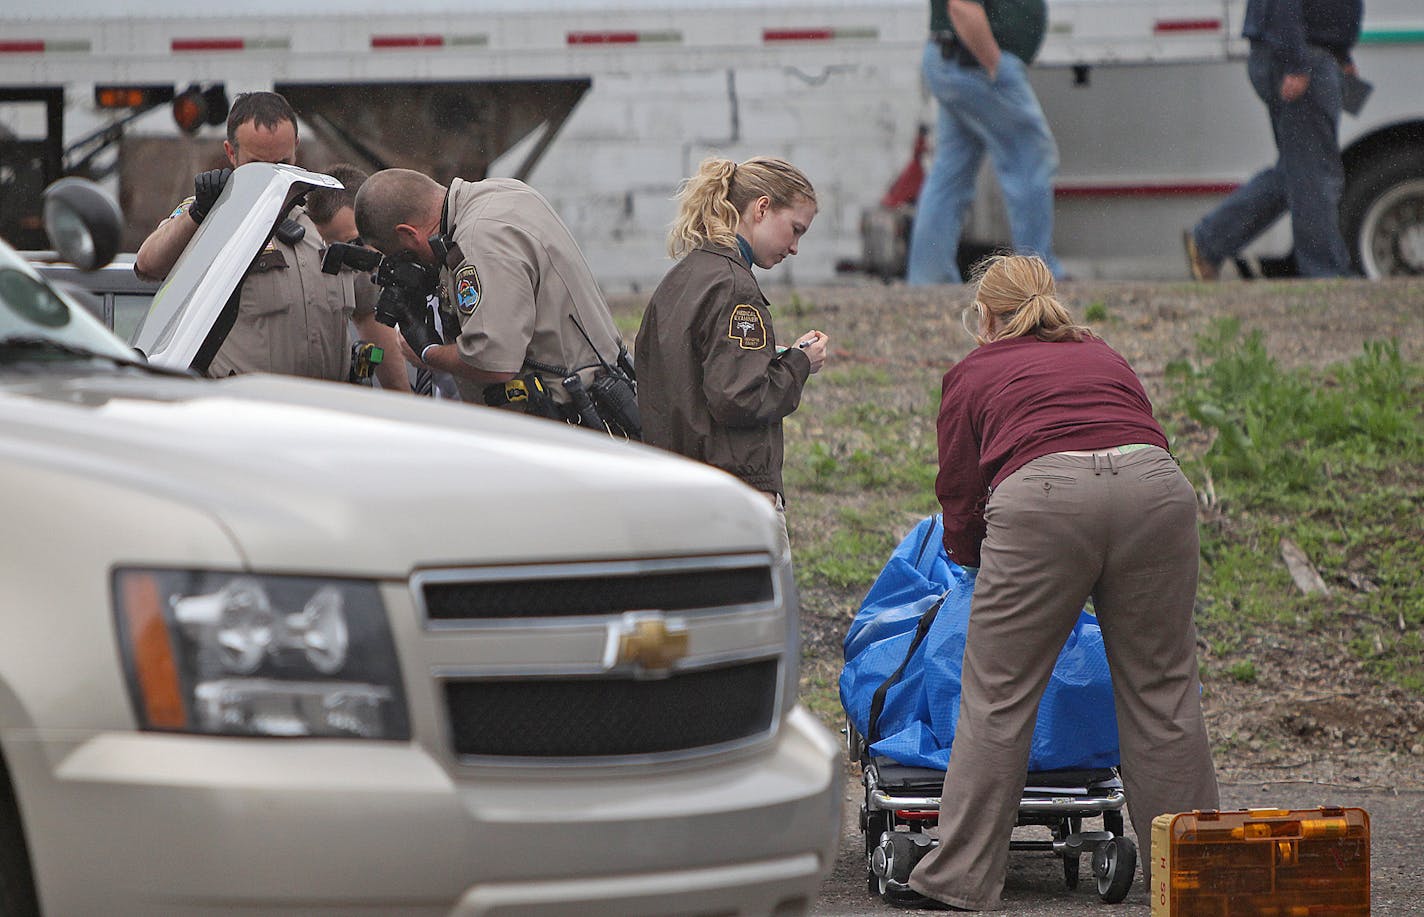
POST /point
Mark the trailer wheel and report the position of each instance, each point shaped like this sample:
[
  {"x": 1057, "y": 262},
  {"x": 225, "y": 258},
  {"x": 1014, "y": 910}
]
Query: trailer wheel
[
  {"x": 1382, "y": 214},
  {"x": 1115, "y": 866}
]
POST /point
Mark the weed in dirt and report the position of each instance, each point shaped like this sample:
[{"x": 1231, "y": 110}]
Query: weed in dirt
[{"x": 1243, "y": 671}]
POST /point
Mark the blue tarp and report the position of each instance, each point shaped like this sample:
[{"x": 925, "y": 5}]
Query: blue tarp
[{"x": 1076, "y": 726}]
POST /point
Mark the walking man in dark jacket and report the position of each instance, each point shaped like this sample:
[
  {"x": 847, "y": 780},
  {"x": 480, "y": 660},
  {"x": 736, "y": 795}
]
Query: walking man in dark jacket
[{"x": 1300, "y": 54}]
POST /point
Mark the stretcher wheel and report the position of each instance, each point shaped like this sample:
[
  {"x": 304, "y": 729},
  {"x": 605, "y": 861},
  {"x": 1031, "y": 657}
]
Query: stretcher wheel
[
  {"x": 893, "y": 861},
  {"x": 1114, "y": 866},
  {"x": 1070, "y": 862},
  {"x": 876, "y": 824}
]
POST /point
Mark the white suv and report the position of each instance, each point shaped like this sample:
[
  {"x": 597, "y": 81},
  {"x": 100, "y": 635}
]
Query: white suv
[{"x": 283, "y": 646}]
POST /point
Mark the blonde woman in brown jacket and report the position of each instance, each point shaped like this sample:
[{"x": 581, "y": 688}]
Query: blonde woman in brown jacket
[{"x": 713, "y": 384}]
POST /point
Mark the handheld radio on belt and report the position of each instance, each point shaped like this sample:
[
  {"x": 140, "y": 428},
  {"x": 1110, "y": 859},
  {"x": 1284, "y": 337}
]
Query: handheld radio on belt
[{"x": 614, "y": 391}]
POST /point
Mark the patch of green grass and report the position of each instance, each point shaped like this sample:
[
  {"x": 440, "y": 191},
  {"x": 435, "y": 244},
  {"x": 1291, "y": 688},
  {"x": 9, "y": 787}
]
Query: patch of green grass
[
  {"x": 1326, "y": 457},
  {"x": 881, "y": 442},
  {"x": 1096, "y": 311},
  {"x": 1244, "y": 672},
  {"x": 856, "y": 375},
  {"x": 850, "y": 554},
  {"x": 820, "y": 691},
  {"x": 627, "y": 323}
]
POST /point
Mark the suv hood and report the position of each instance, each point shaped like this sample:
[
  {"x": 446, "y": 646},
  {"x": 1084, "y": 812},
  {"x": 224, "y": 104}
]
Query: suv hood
[
  {"x": 310, "y": 476},
  {"x": 185, "y": 309}
]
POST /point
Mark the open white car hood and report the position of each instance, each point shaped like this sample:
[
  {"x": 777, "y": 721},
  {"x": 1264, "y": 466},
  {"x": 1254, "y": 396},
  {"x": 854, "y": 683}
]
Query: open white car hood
[{"x": 186, "y": 308}]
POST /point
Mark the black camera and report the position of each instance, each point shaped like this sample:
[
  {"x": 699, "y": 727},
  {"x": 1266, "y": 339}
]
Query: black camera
[
  {"x": 406, "y": 285},
  {"x": 356, "y": 257}
]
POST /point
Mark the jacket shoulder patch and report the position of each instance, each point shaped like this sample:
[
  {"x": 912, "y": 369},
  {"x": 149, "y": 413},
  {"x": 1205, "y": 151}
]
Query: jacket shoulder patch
[
  {"x": 467, "y": 289},
  {"x": 747, "y": 327}
]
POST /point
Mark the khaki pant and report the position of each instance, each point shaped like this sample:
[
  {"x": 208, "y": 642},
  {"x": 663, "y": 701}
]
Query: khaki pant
[{"x": 1119, "y": 528}]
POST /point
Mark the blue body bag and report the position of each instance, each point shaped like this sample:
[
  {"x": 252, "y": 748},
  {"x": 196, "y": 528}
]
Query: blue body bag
[{"x": 1076, "y": 725}]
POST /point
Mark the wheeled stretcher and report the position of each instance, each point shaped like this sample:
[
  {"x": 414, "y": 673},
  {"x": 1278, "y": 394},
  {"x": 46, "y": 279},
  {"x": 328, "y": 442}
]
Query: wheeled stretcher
[
  {"x": 900, "y": 692},
  {"x": 900, "y": 802}
]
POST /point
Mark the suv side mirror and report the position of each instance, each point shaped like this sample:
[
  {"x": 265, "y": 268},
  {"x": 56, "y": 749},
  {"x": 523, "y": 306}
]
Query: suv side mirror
[{"x": 83, "y": 222}]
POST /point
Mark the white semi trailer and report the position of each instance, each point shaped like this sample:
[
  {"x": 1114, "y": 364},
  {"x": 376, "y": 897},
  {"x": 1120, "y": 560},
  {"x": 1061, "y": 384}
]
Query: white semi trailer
[{"x": 606, "y": 104}]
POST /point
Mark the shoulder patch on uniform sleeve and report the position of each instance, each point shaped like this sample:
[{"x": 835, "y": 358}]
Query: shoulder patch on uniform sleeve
[
  {"x": 747, "y": 327},
  {"x": 467, "y": 289}
]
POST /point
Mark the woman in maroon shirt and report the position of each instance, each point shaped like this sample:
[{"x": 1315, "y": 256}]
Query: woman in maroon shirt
[{"x": 1057, "y": 486}]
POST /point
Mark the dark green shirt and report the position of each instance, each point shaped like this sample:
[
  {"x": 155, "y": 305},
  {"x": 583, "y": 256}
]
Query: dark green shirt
[{"x": 1018, "y": 25}]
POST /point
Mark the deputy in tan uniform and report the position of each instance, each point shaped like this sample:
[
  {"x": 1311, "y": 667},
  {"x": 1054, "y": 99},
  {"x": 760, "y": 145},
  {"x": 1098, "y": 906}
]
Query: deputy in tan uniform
[
  {"x": 291, "y": 317},
  {"x": 529, "y": 312},
  {"x": 333, "y": 210},
  {"x": 713, "y": 384}
]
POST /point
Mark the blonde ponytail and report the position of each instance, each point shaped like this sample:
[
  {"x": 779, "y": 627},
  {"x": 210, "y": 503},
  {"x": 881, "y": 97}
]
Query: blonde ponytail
[
  {"x": 1018, "y": 291},
  {"x": 711, "y": 202}
]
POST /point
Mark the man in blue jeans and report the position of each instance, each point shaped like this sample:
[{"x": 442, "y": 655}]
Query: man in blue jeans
[
  {"x": 976, "y": 65},
  {"x": 1300, "y": 50}
]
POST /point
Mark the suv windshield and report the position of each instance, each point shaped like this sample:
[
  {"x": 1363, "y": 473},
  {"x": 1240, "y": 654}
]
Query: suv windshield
[{"x": 38, "y": 322}]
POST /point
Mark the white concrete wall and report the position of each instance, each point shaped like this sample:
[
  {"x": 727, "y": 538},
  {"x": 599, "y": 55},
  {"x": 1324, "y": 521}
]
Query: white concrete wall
[{"x": 616, "y": 165}]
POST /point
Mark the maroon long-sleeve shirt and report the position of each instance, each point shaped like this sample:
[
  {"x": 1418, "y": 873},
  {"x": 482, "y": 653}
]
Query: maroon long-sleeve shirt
[{"x": 1015, "y": 400}]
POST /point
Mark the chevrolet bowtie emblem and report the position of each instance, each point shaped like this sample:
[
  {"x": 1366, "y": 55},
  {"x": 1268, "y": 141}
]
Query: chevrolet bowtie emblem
[{"x": 645, "y": 639}]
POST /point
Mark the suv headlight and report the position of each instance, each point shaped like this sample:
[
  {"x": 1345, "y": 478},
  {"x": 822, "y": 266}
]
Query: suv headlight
[{"x": 239, "y": 654}]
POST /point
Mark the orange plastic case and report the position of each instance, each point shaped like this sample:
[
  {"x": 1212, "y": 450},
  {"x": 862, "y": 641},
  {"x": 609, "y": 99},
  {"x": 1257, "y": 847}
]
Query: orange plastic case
[{"x": 1262, "y": 863}]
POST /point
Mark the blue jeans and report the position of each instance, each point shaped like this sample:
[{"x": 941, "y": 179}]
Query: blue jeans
[
  {"x": 975, "y": 115},
  {"x": 1306, "y": 179}
]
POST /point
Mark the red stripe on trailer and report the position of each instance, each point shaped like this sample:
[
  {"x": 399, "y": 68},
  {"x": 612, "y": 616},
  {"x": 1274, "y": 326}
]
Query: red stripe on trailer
[
  {"x": 21, "y": 47},
  {"x": 797, "y": 34},
  {"x": 206, "y": 44},
  {"x": 1186, "y": 25},
  {"x": 1167, "y": 189},
  {"x": 602, "y": 38},
  {"x": 407, "y": 41}
]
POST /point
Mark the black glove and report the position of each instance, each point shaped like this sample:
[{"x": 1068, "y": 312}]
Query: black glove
[
  {"x": 417, "y": 323},
  {"x": 206, "y": 188}
]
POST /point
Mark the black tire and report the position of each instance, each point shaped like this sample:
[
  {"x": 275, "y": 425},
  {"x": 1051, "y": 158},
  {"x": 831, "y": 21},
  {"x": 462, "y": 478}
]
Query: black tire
[
  {"x": 1382, "y": 213},
  {"x": 894, "y": 860},
  {"x": 1115, "y": 866},
  {"x": 876, "y": 824}
]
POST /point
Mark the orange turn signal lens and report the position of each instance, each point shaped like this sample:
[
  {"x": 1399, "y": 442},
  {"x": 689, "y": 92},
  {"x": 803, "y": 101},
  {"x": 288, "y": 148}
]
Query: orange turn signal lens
[
  {"x": 119, "y": 97},
  {"x": 189, "y": 110},
  {"x": 131, "y": 96},
  {"x": 151, "y": 649}
]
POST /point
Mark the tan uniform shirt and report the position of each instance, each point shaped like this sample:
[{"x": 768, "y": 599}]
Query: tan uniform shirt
[
  {"x": 291, "y": 318},
  {"x": 514, "y": 280}
]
